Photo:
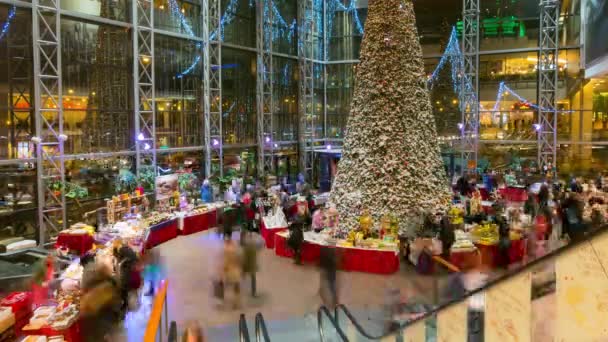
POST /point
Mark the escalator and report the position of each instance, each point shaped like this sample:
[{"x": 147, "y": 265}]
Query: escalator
[{"x": 546, "y": 281}]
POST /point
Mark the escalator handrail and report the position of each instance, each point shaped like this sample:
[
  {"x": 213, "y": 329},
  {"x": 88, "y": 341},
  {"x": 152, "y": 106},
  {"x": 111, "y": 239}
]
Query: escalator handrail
[
  {"x": 243, "y": 330},
  {"x": 260, "y": 328},
  {"x": 325, "y": 310},
  {"x": 357, "y": 325},
  {"x": 492, "y": 283}
]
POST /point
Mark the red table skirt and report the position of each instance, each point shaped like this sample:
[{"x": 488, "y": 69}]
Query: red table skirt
[
  {"x": 490, "y": 255},
  {"x": 198, "y": 223},
  {"x": 80, "y": 243},
  {"x": 269, "y": 234},
  {"x": 351, "y": 259},
  {"x": 162, "y": 232},
  {"x": 514, "y": 194}
]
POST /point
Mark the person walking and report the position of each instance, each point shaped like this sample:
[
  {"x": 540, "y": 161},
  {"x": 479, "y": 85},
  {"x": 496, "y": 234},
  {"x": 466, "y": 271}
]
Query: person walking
[
  {"x": 251, "y": 244},
  {"x": 329, "y": 277},
  {"x": 232, "y": 274}
]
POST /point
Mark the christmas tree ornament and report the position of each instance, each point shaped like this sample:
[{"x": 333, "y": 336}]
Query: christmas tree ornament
[{"x": 391, "y": 162}]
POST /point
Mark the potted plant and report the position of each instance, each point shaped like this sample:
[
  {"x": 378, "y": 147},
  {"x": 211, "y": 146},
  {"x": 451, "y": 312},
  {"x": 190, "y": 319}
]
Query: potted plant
[
  {"x": 125, "y": 182},
  {"x": 147, "y": 178},
  {"x": 189, "y": 183}
]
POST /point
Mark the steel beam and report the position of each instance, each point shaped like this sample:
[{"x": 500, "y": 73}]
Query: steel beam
[
  {"x": 306, "y": 33},
  {"x": 144, "y": 101},
  {"x": 547, "y": 84},
  {"x": 469, "y": 88},
  {"x": 265, "y": 82},
  {"x": 48, "y": 107},
  {"x": 212, "y": 82}
]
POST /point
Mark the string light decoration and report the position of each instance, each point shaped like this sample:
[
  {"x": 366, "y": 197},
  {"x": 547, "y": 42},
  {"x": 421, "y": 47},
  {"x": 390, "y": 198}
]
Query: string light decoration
[
  {"x": 7, "y": 23},
  {"x": 453, "y": 54},
  {"x": 334, "y": 6},
  {"x": 280, "y": 26}
]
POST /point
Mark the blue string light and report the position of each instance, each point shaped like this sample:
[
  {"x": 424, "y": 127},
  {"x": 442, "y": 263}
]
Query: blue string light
[
  {"x": 177, "y": 13},
  {"x": 189, "y": 69},
  {"x": 7, "y": 23},
  {"x": 336, "y": 5}
]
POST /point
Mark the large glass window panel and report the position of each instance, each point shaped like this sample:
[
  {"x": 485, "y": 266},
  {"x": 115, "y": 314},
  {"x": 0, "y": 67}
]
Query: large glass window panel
[
  {"x": 190, "y": 161},
  {"x": 340, "y": 87},
  {"x": 345, "y": 26},
  {"x": 110, "y": 9},
  {"x": 16, "y": 78},
  {"x": 178, "y": 93},
  {"x": 96, "y": 87},
  {"x": 18, "y": 214},
  {"x": 181, "y": 16},
  {"x": 284, "y": 31},
  {"x": 238, "y": 97},
  {"x": 285, "y": 111},
  {"x": 98, "y": 177},
  {"x": 240, "y": 22}
]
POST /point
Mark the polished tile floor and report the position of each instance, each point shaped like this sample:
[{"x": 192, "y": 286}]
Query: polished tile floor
[{"x": 288, "y": 293}]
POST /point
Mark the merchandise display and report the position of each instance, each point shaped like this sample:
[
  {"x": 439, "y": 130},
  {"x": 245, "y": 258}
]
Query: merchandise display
[{"x": 376, "y": 257}]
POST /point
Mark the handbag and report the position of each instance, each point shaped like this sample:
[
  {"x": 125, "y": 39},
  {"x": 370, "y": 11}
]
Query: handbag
[{"x": 218, "y": 289}]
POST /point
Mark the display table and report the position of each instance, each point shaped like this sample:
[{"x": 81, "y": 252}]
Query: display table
[
  {"x": 459, "y": 258},
  {"x": 71, "y": 334},
  {"x": 514, "y": 193},
  {"x": 78, "y": 243},
  {"x": 269, "y": 233},
  {"x": 490, "y": 255},
  {"x": 198, "y": 223},
  {"x": 162, "y": 232},
  {"x": 351, "y": 258}
]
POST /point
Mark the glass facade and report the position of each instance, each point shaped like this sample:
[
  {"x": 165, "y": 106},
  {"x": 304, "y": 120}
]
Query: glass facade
[{"x": 97, "y": 63}]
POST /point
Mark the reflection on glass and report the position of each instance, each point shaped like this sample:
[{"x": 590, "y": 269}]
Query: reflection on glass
[{"x": 96, "y": 61}]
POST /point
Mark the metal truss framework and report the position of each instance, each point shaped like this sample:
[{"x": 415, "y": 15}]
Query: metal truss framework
[
  {"x": 48, "y": 106},
  {"x": 144, "y": 101},
  {"x": 265, "y": 81},
  {"x": 547, "y": 84},
  {"x": 469, "y": 79},
  {"x": 306, "y": 31},
  {"x": 212, "y": 82},
  {"x": 19, "y": 71}
]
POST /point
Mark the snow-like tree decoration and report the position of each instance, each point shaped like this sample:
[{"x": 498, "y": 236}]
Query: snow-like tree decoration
[{"x": 391, "y": 161}]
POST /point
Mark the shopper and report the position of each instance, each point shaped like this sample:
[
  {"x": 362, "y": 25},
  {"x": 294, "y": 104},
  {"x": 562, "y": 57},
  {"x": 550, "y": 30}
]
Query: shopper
[
  {"x": 100, "y": 303},
  {"x": 193, "y": 333},
  {"x": 206, "y": 192},
  {"x": 295, "y": 241},
  {"x": 252, "y": 243},
  {"x": 228, "y": 221},
  {"x": 152, "y": 270},
  {"x": 129, "y": 277},
  {"x": 329, "y": 277},
  {"x": 232, "y": 274}
]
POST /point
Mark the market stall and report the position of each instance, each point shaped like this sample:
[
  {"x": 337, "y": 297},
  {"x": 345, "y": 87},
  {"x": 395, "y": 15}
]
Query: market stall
[
  {"x": 514, "y": 193},
  {"x": 272, "y": 224},
  {"x": 78, "y": 239},
  {"x": 375, "y": 257}
]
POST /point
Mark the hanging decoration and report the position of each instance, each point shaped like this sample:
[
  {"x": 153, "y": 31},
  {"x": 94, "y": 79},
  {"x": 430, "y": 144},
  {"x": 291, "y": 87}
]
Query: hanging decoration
[{"x": 7, "y": 23}]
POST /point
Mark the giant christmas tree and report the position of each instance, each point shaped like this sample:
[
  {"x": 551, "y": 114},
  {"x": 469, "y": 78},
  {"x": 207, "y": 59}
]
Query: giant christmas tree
[{"x": 391, "y": 161}]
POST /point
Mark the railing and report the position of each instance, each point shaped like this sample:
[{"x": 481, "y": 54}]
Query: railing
[
  {"x": 260, "y": 328},
  {"x": 324, "y": 311},
  {"x": 159, "y": 317},
  {"x": 243, "y": 330},
  {"x": 591, "y": 247}
]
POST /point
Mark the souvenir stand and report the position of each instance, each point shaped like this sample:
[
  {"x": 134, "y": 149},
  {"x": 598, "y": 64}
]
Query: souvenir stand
[
  {"x": 364, "y": 250},
  {"x": 271, "y": 222}
]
